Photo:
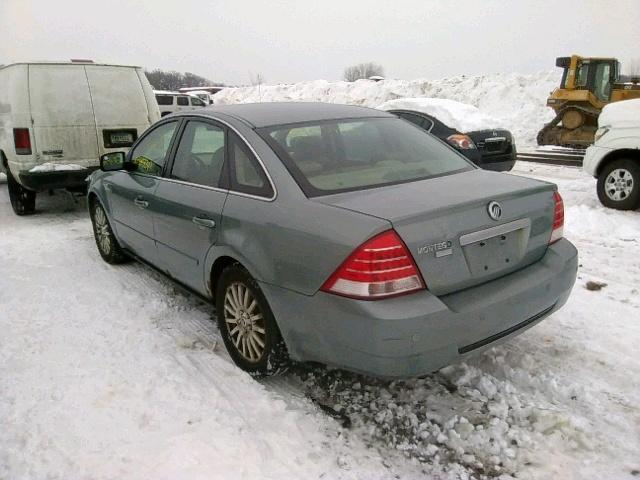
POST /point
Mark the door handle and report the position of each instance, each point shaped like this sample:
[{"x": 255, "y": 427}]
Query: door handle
[
  {"x": 204, "y": 222},
  {"x": 141, "y": 203}
]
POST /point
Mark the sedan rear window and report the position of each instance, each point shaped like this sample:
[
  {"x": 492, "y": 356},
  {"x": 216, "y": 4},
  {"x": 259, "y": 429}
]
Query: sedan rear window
[{"x": 343, "y": 155}]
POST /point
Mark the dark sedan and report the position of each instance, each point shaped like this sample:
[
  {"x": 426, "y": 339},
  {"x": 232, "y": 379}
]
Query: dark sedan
[{"x": 489, "y": 148}]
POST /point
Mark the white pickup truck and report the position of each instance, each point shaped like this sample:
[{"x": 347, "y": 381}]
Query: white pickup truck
[{"x": 614, "y": 158}]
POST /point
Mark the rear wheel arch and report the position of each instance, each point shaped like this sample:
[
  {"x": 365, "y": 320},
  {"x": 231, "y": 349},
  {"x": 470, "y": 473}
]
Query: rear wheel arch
[
  {"x": 630, "y": 153},
  {"x": 216, "y": 270}
]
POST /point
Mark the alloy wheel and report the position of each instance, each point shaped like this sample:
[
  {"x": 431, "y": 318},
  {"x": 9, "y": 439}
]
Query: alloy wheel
[
  {"x": 245, "y": 322},
  {"x": 102, "y": 230},
  {"x": 619, "y": 184}
]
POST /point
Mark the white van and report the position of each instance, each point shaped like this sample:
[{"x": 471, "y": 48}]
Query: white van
[
  {"x": 58, "y": 118},
  {"x": 170, "y": 102}
]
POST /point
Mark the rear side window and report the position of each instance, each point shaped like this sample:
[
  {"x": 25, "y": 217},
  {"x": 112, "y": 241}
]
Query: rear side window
[
  {"x": 247, "y": 175},
  {"x": 345, "y": 155},
  {"x": 183, "y": 101},
  {"x": 164, "y": 99},
  {"x": 200, "y": 155},
  {"x": 150, "y": 155}
]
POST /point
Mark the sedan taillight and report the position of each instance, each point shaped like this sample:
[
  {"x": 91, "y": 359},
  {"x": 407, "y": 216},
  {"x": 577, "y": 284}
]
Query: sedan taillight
[
  {"x": 381, "y": 267},
  {"x": 557, "y": 231},
  {"x": 463, "y": 142}
]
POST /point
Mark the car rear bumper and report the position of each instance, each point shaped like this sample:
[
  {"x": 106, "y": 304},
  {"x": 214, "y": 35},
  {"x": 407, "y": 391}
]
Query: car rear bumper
[
  {"x": 497, "y": 164},
  {"x": 42, "y": 181},
  {"x": 419, "y": 333}
]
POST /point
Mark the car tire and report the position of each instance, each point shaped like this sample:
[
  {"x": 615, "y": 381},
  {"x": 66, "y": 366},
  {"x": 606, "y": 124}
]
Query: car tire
[
  {"x": 619, "y": 184},
  {"x": 107, "y": 244},
  {"x": 23, "y": 201},
  {"x": 247, "y": 325}
]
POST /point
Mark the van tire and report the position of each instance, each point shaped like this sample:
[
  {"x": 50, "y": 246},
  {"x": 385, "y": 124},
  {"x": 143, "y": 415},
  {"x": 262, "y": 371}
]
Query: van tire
[
  {"x": 23, "y": 201},
  {"x": 624, "y": 195},
  {"x": 106, "y": 241}
]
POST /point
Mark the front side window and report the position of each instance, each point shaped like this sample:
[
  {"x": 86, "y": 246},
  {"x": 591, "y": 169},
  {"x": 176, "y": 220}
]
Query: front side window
[
  {"x": 344, "y": 155},
  {"x": 183, "y": 101},
  {"x": 150, "y": 155},
  {"x": 200, "y": 155},
  {"x": 196, "y": 102},
  {"x": 582, "y": 77}
]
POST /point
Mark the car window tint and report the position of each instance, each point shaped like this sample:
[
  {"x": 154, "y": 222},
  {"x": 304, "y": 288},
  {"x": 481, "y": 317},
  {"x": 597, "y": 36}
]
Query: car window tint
[
  {"x": 183, "y": 101},
  {"x": 196, "y": 102},
  {"x": 200, "y": 155},
  {"x": 344, "y": 155},
  {"x": 164, "y": 99},
  {"x": 247, "y": 175},
  {"x": 150, "y": 154}
]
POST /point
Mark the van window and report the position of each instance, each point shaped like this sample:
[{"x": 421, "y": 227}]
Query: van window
[
  {"x": 200, "y": 155},
  {"x": 196, "y": 102},
  {"x": 150, "y": 155},
  {"x": 183, "y": 101},
  {"x": 164, "y": 99}
]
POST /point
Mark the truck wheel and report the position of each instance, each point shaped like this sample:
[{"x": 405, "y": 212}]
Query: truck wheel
[
  {"x": 619, "y": 184},
  {"x": 106, "y": 241},
  {"x": 247, "y": 324},
  {"x": 23, "y": 201}
]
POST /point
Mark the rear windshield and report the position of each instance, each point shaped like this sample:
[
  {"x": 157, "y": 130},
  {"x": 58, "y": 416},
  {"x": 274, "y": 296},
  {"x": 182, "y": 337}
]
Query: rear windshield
[{"x": 343, "y": 155}]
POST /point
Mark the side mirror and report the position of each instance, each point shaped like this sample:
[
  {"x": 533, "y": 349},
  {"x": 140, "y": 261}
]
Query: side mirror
[{"x": 112, "y": 161}]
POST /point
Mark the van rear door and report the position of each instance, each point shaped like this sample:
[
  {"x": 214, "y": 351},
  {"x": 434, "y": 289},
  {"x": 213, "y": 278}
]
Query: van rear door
[
  {"x": 119, "y": 105},
  {"x": 63, "y": 124}
]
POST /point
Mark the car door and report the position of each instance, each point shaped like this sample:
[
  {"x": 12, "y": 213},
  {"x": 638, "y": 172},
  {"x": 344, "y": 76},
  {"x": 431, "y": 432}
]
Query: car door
[
  {"x": 131, "y": 193},
  {"x": 190, "y": 202}
]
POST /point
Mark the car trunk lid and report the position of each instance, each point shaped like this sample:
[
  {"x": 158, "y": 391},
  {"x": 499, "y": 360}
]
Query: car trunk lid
[{"x": 446, "y": 225}]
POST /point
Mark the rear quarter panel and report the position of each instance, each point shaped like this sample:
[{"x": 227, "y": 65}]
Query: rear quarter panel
[{"x": 292, "y": 244}]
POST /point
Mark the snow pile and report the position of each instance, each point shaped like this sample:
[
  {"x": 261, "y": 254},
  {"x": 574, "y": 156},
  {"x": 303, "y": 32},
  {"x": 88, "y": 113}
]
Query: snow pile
[
  {"x": 621, "y": 114},
  {"x": 517, "y": 101},
  {"x": 461, "y": 116},
  {"x": 56, "y": 167}
]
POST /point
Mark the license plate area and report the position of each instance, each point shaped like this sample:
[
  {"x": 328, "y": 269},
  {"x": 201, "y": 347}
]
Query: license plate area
[
  {"x": 497, "y": 248},
  {"x": 119, "y": 138}
]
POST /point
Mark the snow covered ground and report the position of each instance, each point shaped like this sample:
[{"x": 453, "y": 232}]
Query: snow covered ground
[
  {"x": 115, "y": 373},
  {"x": 517, "y": 101}
]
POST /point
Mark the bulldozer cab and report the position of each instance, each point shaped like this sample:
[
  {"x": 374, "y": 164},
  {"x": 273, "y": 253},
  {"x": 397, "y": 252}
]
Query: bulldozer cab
[{"x": 597, "y": 75}]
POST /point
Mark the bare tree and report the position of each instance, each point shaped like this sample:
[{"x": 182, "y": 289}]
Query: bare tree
[
  {"x": 363, "y": 70},
  {"x": 172, "y": 80},
  {"x": 256, "y": 79}
]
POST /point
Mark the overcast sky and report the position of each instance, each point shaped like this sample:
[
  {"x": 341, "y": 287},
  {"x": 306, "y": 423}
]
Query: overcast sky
[{"x": 289, "y": 40}]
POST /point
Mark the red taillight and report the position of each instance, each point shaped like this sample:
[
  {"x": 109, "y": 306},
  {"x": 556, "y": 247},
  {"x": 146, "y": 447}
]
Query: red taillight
[
  {"x": 22, "y": 141},
  {"x": 558, "y": 219},
  {"x": 463, "y": 142},
  {"x": 381, "y": 267}
]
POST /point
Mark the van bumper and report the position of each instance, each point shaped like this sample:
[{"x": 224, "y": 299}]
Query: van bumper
[
  {"x": 416, "y": 334},
  {"x": 43, "y": 181}
]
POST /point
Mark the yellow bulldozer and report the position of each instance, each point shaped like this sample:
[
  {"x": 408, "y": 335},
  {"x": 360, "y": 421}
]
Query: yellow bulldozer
[{"x": 587, "y": 85}]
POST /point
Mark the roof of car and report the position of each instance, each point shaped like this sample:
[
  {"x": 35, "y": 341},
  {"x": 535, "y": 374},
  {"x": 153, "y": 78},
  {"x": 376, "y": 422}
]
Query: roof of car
[{"x": 279, "y": 113}]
